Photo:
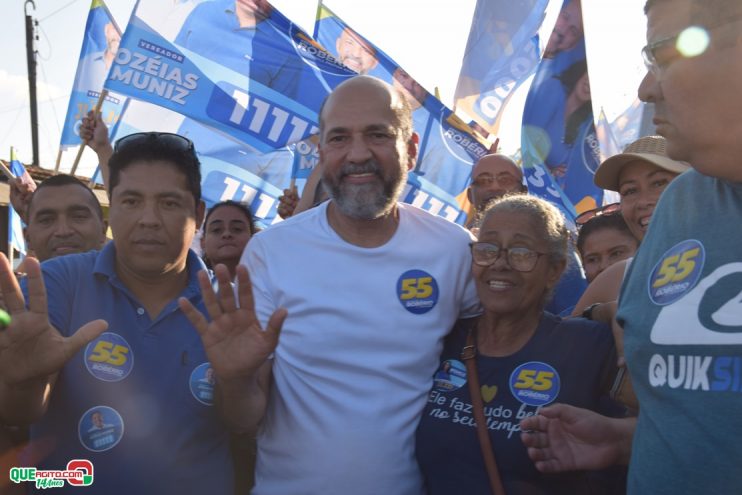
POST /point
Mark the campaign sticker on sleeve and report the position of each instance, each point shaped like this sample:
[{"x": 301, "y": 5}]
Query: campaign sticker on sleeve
[
  {"x": 100, "y": 428},
  {"x": 417, "y": 291},
  {"x": 202, "y": 383},
  {"x": 535, "y": 383},
  {"x": 677, "y": 272},
  {"x": 109, "y": 357},
  {"x": 450, "y": 376}
]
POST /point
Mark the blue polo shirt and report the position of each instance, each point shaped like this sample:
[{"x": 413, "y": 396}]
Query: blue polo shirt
[{"x": 137, "y": 401}]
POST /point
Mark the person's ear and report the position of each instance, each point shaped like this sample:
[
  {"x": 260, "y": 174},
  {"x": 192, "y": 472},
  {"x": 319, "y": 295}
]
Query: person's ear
[
  {"x": 412, "y": 145},
  {"x": 556, "y": 269},
  {"x": 200, "y": 212}
]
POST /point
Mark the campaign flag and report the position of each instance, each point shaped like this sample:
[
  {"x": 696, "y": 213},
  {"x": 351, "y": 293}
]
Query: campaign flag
[
  {"x": 608, "y": 143},
  {"x": 15, "y": 224},
  {"x": 448, "y": 147},
  {"x": 99, "y": 45},
  {"x": 244, "y": 70},
  {"x": 558, "y": 139},
  {"x": 502, "y": 52}
]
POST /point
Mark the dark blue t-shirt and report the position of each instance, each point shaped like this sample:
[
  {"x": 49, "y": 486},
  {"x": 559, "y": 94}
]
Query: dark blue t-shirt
[{"x": 569, "y": 361}]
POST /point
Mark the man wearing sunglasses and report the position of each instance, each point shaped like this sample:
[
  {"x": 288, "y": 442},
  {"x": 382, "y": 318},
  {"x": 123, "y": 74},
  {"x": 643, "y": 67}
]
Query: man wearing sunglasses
[
  {"x": 135, "y": 360},
  {"x": 680, "y": 302}
]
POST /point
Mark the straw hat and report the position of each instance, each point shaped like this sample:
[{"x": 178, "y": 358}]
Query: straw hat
[{"x": 650, "y": 149}]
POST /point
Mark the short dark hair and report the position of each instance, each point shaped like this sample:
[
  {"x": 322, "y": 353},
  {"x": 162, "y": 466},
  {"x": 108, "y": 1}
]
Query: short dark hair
[
  {"x": 240, "y": 206},
  {"x": 154, "y": 149},
  {"x": 613, "y": 221},
  {"x": 64, "y": 180}
]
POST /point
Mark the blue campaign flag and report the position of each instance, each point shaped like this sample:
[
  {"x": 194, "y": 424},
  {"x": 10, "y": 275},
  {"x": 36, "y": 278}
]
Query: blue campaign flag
[
  {"x": 15, "y": 225},
  {"x": 501, "y": 53},
  {"x": 99, "y": 45},
  {"x": 244, "y": 70},
  {"x": 558, "y": 140}
]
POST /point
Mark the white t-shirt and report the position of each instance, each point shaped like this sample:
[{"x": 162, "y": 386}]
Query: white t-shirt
[{"x": 357, "y": 351}]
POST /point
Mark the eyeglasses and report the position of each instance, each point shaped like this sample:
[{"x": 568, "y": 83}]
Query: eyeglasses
[
  {"x": 661, "y": 53},
  {"x": 520, "y": 259},
  {"x": 504, "y": 179},
  {"x": 585, "y": 217},
  {"x": 174, "y": 140}
]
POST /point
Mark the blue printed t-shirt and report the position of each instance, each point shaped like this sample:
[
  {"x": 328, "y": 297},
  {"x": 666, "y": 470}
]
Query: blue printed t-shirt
[
  {"x": 681, "y": 311},
  {"x": 137, "y": 401},
  {"x": 568, "y": 361}
]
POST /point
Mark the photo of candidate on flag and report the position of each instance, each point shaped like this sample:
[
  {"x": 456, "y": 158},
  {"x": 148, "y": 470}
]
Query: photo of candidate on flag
[
  {"x": 558, "y": 133},
  {"x": 240, "y": 67},
  {"x": 448, "y": 148},
  {"x": 502, "y": 51},
  {"x": 100, "y": 44}
]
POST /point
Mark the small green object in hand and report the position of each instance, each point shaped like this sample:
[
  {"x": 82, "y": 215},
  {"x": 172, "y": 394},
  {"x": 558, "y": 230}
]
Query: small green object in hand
[{"x": 4, "y": 319}]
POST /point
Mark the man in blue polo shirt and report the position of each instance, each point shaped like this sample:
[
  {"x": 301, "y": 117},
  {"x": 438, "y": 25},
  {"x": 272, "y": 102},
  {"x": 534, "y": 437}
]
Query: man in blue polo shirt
[{"x": 126, "y": 390}]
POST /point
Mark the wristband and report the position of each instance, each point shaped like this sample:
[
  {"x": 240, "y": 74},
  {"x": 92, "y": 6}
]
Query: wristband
[{"x": 588, "y": 313}]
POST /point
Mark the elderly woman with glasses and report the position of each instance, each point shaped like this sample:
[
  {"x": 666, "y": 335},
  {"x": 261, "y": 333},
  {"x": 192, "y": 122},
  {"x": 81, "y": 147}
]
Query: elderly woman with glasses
[{"x": 512, "y": 360}]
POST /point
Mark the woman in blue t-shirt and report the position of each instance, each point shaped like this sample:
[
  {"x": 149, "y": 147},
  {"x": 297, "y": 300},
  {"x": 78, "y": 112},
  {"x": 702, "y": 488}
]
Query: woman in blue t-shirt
[{"x": 526, "y": 358}]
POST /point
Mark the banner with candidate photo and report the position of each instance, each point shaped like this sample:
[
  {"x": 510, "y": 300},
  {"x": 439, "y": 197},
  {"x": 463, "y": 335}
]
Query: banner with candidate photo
[
  {"x": 558, "y": 135},
  {"x": 502, "y": 52},
  {"x": 99, "y": 45},
  {"x": 448, "y": 147},
  {"x": 241, "y": 68}
]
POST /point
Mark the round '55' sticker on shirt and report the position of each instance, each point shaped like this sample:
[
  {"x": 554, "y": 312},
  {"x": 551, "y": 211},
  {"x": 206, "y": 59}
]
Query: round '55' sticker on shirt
[
  {"x": 109, "y": 357},
  {"x": 417, "y": 290},
  {"x": 100, "y": 428},
  {"x": 535, "y": 383},
  {"x": 677, "y": 272}
]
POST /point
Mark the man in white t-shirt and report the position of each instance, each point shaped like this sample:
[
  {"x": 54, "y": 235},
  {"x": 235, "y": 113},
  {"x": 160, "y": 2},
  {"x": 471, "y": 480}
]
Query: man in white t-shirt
[{"x": 368, "y": 288}]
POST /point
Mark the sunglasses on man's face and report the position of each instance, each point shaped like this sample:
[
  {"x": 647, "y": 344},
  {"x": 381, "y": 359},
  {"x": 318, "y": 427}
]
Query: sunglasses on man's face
[
  {"x": 174, "y": 140},
  {"x": 585, "y": 217}
]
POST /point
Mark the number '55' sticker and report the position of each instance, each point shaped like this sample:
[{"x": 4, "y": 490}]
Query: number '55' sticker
[
  {"x": 109, "y": 357},
  {"x": 535, "y": 383},
  {"x": 417, "y": 290},
  {"x": 677, "y": 272}
]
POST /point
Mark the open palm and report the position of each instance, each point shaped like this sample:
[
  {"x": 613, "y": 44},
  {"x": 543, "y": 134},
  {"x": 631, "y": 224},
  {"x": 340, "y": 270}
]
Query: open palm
[
  {"x": 31, "y": 348},
  {"x": 234, "y": 341}
]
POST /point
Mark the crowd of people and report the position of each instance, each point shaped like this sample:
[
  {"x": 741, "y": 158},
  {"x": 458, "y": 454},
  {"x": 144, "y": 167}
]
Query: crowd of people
[{"x": 365, "y": 346}]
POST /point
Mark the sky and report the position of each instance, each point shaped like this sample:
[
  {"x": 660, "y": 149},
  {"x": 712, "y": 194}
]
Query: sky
[{"x": 426, "y": 37}]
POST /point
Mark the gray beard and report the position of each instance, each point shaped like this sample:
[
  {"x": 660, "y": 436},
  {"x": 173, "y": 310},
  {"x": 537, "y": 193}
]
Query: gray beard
[{"x": 366, "y": 201}]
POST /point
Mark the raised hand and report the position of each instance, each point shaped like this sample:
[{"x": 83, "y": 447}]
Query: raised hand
[
  {"x": 287, "y": 202},
  {"x": 20, "y": 195},
  {"x": 567, "y": 438},
  {"x": 94, "y": 133},
  {"x": 234, "y": 341},
  {"x": 31, "y": 348}
]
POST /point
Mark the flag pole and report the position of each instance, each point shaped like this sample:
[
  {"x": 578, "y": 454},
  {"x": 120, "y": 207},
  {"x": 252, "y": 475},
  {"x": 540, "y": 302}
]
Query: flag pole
[
  {"x": 102, "y": 98},
  {"x": 9, "y": 174},
  {"x": 59, "y": 159}
]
